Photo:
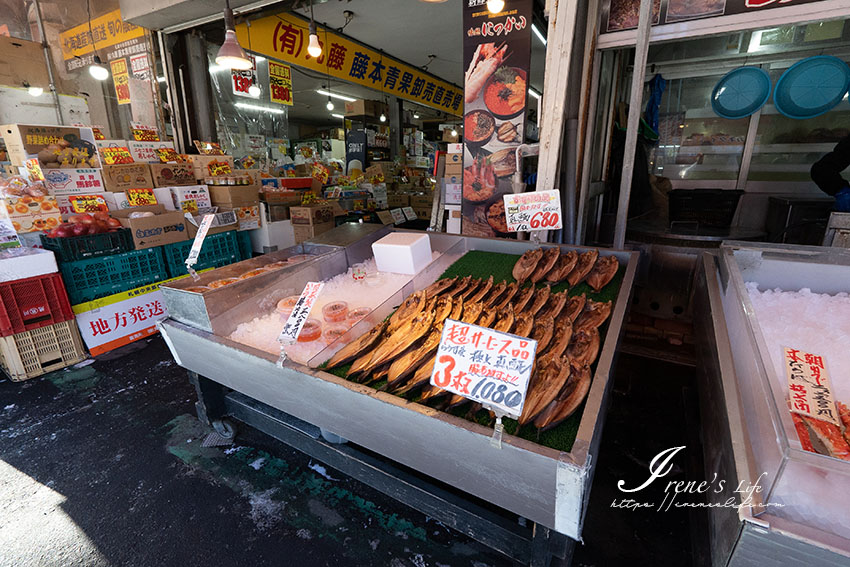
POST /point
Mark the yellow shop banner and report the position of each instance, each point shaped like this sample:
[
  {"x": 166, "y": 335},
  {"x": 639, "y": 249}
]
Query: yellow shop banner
[
  {"x": 106, "y": 30},
  {"x": 286, "y": 36}
]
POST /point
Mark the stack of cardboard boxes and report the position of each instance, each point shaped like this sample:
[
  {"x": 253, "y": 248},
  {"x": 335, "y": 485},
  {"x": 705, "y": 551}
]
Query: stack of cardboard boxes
[
  {"x": 453, "y": 187},
  {"x": 311, "y": 220}
]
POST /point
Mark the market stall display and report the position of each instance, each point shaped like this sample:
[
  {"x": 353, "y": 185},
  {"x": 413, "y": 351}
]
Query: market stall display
[{"x": 389, "y": 424}]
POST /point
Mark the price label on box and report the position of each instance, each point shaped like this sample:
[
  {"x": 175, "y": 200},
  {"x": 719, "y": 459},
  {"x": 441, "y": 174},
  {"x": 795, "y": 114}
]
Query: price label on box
[
  {"x": 140, "y": 197},
  {"x": 218, "y": 168},
  {"x": 87, "y": 203},
  {"x": 116, "y": 156},
  {"x": 189, "y": 206},
  {"x": 484, "y": 365},
  {"x": 809, "y": 389},
  {"x": 168, "y": 155},
  {"x": 144, "y": 132},
  {"x": 537, "y": 210}
]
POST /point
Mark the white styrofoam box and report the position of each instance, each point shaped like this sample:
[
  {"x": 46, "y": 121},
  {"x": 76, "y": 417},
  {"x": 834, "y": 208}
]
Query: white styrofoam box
[
  {"x": 455, "y": 148},
  {"x": 19, "y": 263},
  {"x": 163, "y": 197},
  {"x": 197, "y": 193},
  {"x": 116, "y": 201},
  {"x": 402, "y": 253},
  {"x": 453, "y": 219}
]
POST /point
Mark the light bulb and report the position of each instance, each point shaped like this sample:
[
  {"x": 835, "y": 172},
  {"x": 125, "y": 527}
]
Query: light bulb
[
  {"x": 383, "y": 117},
  {"x": 254, "y": 91},
  {"x": 495, "y": 6},
  {"x": 35, "y": 91},
  {"x": 98, "y": 71},
  {"x": 330, "y": 105},
  {"x": 314, "y": 49},
  {"x": 454, "y": 133},
  {"x": 231, "y": 55},
  {"x": 415, "y": 116}
]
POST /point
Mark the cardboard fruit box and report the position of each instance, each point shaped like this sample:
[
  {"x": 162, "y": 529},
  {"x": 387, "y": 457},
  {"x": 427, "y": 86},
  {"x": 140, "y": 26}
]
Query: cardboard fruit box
[
  {"x": 164, "y": 227},
  {"x": 172, "y": 174},
  {"x": 118, "y": 178},
  {"x": 312, "y": 214}
]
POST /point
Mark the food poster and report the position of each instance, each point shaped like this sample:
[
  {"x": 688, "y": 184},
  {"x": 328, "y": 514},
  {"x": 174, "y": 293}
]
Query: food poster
[
  {"x": 619, "y": 15},
  {"x": 497, "y": 56}
]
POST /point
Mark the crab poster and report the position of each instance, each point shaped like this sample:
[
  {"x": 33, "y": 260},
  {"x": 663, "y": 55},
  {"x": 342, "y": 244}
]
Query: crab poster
[{"x": 497, "y": 55}]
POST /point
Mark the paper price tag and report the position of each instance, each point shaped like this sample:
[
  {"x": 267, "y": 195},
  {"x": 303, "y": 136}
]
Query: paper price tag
[
  {"x": 167, "y": 155},
  {"x": 87, "y": 203},
  {"x": 198, "y": 243},
  {"x": 409, "y": 213},
  {"x": 808, "y": 386},
  {"x": 140, "y": 197},
  {"x": 537, "y": 210},
  {"x": 398, "y": 215},
  {"x": 116, "y": 156},
  {"x": 217, "y": 168},
  {"x": 189, "y": 206},
  {"x": 486, "y": 366},
  {"x": 300, "y": 312}
]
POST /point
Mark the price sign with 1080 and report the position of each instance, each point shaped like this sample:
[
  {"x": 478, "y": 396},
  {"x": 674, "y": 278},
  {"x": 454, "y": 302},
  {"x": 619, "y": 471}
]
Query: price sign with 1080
[{"x": 486, "y": 366}]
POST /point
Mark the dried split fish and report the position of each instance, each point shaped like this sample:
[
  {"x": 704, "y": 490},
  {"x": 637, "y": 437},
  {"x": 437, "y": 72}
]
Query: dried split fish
[
  {"x": 460, "y": 287},
  {"x": 420, "y": 377},
  {"x": 523, "y": 325},
  {"x": 409, "y": 308},
  {"x": 486, "y": 318},
  {"x": 471, "y": 312},
  {"x": 565, "y": 264},
  {"x": 483, "y": 289},
  {"x": 567, "y": 401},
  {"x": 563, "y": 334},
  {"x": 554, "y": 305},
  {"x": 439, "y": 286},
  {"x": 540, "y": 299},
  {"x": 358, "y": 346},
  {"x": 397, "y": 343},
  {"x": 583, "y": 267},
  {"x": 547, "y": 384},
  {"x": 574, "y": 306},
  {"x": 542, "y": 332},
  {"x": 471, "y": 289},
  {"x": 526, "y": 264},
  {"x": 523, "y": 298},
  {"x": 509, "y": 294},
  {"x": 495, "y": 294},
  {"x": 550, "y": 256},
  {"x": 594, "y": 314},
  {"x": 408, "y": 362},
  {"x": 504, "y": 319},
  {"x": 603, "y": 272},
  {"x": 443, "y": 309},
  {"x": 584, "y": 347}
]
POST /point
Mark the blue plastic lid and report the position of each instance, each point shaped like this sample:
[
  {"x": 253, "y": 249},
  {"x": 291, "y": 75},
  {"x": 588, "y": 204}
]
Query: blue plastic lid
[
  {"x": 811, "y": 87},
  {"x": 740, "y": 92}
]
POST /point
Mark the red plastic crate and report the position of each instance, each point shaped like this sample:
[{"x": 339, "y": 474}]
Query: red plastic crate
[{"x": 32, "y": 303}]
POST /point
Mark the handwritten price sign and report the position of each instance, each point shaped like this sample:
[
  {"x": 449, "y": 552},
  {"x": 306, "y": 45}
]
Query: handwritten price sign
[
  {"x": 218, "y": 168},
  {"x": 87, "y": 203},
  {"x": 538, "y": 210},
  {"x": 484, "y": 365},
  {"x": 140, "y": 197},
  {"x": 115, "y": 156},
  {"x": 300, "y": 312},
  {"x": 808, "y": 385}
]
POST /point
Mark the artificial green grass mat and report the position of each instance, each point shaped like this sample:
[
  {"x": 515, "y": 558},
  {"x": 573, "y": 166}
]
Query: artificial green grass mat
[{"x": 480, "y": 264}]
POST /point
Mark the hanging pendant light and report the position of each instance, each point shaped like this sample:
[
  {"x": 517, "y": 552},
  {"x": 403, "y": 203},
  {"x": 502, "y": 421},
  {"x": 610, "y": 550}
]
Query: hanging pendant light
[
  {"x": 383, "y": 117},
  {"x": 33, "y": 91},
  {"x": 97, "y": 70},
  {"x": 495, "y": 6},
  {"x": 231, "y": 54},
  {"x": 314, "y": 48},
  {"x": 254, "y": 90},
  {"x": 330, "y": 105}
]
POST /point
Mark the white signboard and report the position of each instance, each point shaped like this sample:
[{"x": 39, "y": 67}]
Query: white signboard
[{"x": 537, "y": 210}]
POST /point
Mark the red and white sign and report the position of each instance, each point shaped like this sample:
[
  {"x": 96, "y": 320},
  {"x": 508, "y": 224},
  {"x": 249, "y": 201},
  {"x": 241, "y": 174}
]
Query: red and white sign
[
  {"x": 120, "y": 319},
  {"x": 808, "y": 386},
  {"x": 146, "y": 152},
  {"x": 538, "y": 210},
  {"x": 300, "y": 312},
  {"x": 484, "y": 365},
  {"x": 241, "y": 81}
]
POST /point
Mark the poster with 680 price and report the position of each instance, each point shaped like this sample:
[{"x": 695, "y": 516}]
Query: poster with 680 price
[
  {"x": 484, "y": 365},
  {"x": 537, "y": 210}
]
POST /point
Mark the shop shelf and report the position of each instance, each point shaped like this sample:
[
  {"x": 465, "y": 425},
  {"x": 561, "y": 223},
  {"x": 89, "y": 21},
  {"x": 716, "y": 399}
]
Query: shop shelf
[
  {"x": 246, "y": 251},
  {"x": 32, "y": 303},
  {"x": 33, "y": 353},
  {"x": 91, "y": 246},
  {"x": 91, "y": 279},
  {"x": 707, "y": 207},
  {"x": 218, "y": 250}
]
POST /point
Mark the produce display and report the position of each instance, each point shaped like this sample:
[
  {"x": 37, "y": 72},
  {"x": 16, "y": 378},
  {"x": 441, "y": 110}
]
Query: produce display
[
  {"x": 544, "y": 296},
  {"x": 17, "y": 186},
  {"x": 85, "y": 224}
]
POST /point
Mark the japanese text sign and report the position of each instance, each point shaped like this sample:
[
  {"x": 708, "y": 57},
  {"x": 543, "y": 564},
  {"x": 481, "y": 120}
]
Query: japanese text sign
[
  {"x": 285, "y": 36},
  {"x": 538, "y": 210},
  {"x": 140, "y": 197},
  {"x": 198, "y": 243},
  {"x": 300, "y": 312},
  {"x": 241, "y": 81},
  {"x": 121, "y": 80},
  {"x": 280, "y": 83},
  {"x": 409, "y": 213},
  {"x": 217, "y": 168},
  {"x": 168, "y": 155},
  {"x": 116, "y": 156},
  {"x": 808, "y": 385},
  {"x": 146, "y": 152},
  {"x": 106, "y": 30},
  {"x": 144, "y": 132},
  {"x": 398, "y": 215},
  {"x": 484, "y": 365},
  {"x": 88, "y": 203}
]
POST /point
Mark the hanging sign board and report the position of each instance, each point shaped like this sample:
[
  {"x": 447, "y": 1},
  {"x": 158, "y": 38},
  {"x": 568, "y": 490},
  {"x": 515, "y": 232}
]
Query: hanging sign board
[
  {"x": 484, "y": 365},
  {"x": 241, "y": 81},
  {"x": 109, "y": 32},
  {"x": 497, "y": 58},
  {"x": 537, "y": 210},
  {"x": 285, "y": 36},
  {"x": 121, "y": 80},
  {"x": 280, "y": 83}
]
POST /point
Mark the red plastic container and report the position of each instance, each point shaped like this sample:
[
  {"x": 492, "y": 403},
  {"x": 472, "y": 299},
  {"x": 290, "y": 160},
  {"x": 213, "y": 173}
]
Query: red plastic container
[{"x": 32, "y": 303}]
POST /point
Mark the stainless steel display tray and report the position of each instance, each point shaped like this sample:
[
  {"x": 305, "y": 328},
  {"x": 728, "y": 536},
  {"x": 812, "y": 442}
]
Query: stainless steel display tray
[{"x": 546, "y": 486}]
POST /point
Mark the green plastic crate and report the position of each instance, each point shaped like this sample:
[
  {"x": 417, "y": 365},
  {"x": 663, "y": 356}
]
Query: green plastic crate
[
  {"x": 86, "y": 280},
  {"x": 245, "y": 247},
  {"x": 91, "y": 246},
  {"x": 218, "y": 250}
]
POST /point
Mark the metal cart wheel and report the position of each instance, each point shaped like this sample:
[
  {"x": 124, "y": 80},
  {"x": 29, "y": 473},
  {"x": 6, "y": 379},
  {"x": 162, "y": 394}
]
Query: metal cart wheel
[{"x": 224, "y": 427}]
